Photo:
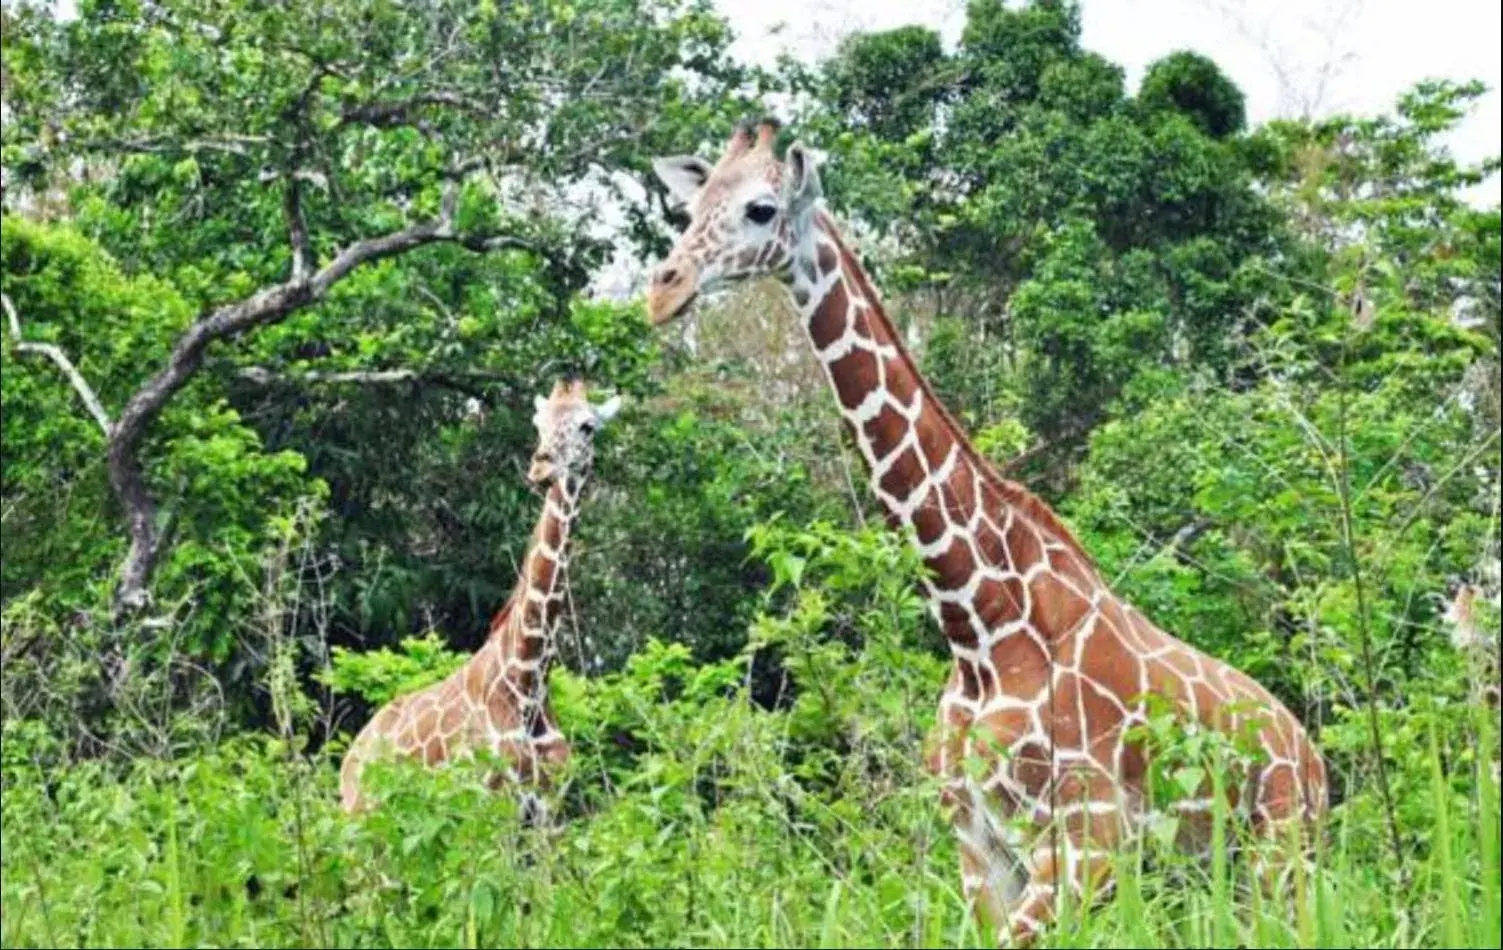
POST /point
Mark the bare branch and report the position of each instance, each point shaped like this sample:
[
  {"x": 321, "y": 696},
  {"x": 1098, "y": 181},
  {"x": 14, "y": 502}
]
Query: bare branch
[
  {"x": 54, "y": 353},
  {"x": 231, "y": 144},
  {"x": 262, "y": 376},
  {"x": 1303, "y": 90}
]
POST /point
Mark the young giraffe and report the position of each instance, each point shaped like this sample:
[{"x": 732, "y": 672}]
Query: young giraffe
[
  {"x": 498, "y": 700},
  {"x": 1051, "y": 668}
]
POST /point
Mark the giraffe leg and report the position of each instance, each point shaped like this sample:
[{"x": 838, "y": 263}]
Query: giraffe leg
[
  {"x": 1284, "y": 845},
  {"x": 372, "y": 741},
  {"x": 991, "y": 874},
  {"x": 991, "y": 881},
  {"x": 1087, "y": 873},
  {"x": 349, "y": 787},
  {"x": 534, "y": 809},
  {"x": 352, "y": 797}
]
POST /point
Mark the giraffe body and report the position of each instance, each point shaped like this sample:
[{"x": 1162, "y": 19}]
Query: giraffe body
[
  {"x": 1035, "y": 743},
  {"x": 497, "y": 702}
]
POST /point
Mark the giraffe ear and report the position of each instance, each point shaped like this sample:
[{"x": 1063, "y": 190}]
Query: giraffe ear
[
  {"x": 801, "y": 187},
  {"x": 607, "y": 410},
  {"x": 683, "y": 175}
]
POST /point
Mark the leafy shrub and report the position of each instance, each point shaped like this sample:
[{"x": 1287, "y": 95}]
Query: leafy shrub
[{"x": 378, "y": 676}]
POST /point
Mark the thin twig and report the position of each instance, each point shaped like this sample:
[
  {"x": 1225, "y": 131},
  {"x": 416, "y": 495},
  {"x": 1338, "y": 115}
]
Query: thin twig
[
  {"x": 1364, "y": 622},
  {"x": 55, "y": 353}
]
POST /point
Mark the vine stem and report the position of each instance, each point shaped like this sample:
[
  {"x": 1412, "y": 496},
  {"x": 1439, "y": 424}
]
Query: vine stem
[{"x": 1364, "y": 626}]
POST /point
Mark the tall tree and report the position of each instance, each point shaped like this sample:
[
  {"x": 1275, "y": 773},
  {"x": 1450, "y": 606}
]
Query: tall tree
[
  {"x": 1097, "y": 241},
  {"x": 259, "y": 156}
]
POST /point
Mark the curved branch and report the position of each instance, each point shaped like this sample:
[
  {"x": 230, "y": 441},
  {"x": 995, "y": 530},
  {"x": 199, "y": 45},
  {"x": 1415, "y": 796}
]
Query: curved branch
[
  {"x": 55, "y": 353},
  {"x": 268, "y": 306}
]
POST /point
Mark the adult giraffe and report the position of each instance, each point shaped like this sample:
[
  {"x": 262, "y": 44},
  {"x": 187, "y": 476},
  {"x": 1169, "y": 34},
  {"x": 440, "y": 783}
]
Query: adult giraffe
[
  {"x": 498, "y": 700},
  {"x": 1051, "y": 668}
]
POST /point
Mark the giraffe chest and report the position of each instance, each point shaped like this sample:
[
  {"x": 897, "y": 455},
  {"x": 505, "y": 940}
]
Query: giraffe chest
[{"x": 1032, "y": 738}]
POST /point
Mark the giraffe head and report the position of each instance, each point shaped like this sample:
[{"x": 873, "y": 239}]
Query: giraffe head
[
  {"x": 748, "y": 212},
  {"x": 567, "y": 422}
]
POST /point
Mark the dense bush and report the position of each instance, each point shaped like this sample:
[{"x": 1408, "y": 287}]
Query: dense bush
[{"x": 691, "y": 815}]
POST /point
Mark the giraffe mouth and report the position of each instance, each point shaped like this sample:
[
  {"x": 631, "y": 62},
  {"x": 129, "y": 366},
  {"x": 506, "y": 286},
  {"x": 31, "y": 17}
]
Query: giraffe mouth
[
  {"x": 540, "y": 474},
  {"x": 678, "y": 311}
]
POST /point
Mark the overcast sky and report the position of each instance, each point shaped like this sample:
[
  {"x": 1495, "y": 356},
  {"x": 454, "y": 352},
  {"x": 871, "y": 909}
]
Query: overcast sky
[{"x": 1370, "y": 50}]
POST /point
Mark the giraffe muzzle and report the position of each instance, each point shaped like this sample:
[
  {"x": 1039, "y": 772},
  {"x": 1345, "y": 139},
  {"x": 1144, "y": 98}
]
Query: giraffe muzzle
[
  {"x": 541, "y": 470},
  {"x": 673, "y": 290}
]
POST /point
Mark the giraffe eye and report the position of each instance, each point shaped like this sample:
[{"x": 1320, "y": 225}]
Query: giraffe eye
[{"x": 761, "y": 212}]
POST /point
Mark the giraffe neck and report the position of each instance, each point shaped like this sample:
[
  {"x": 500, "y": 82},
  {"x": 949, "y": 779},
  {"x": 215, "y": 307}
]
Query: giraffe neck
[
  {"x": 923, "y": 470},
  {"x": 523, "y": 633}
]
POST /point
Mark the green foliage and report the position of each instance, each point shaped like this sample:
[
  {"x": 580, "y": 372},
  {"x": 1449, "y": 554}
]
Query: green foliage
[
  {"x": 725, "y": 825},
  {"x": 1192, "y": 84},
  {"x": 379, "y": 676},
  {"x": 182, "y": 140},
  {"x": 662, "y": 550},
  {"x": 886, "y": 82},
  {"x": 1089, "y": 237},
  {"x": 197, "y": 109},
  {"x": 229, "y": 495}
]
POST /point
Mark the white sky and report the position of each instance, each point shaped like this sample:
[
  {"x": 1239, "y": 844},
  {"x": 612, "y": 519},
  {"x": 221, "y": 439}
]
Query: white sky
[{"x": 1375, "y": 49}]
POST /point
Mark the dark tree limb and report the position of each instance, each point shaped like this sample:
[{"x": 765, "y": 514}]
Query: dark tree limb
[
  {"x": 385, "y": 115},
  {"x": 297, "y": 227},
  {"x": 55, "y": 353},
  {"x": 267, "y": 306},
  {"x": 1187, "y": 535}
]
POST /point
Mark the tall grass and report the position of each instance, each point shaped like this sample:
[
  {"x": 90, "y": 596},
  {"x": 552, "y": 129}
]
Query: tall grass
[{"x": 231, "y": 849}]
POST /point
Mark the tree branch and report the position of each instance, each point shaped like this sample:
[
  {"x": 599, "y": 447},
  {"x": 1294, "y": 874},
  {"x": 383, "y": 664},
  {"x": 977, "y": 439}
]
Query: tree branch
[
  {"x": 1187, "y": 535},
  {"x": 384, "y": 115},
  {"x": 55, "y": 353},
  {"x": 297, "y": 227},
  {"x": 231, "y": 144},
  {"x": 262, "y": 376},
  {"x": 267, "y": 306}
]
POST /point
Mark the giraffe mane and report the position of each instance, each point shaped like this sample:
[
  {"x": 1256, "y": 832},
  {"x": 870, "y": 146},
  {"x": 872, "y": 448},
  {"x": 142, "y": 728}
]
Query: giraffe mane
[
  {"x": 503, "y": 615},
  {"x": 1014, "y": 493}
]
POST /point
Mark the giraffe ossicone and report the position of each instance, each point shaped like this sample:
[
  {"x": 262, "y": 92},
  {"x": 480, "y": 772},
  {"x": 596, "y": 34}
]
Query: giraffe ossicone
[
  {"x": 1052, "y": 670},
  {"x": 497, "y": 702}
]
